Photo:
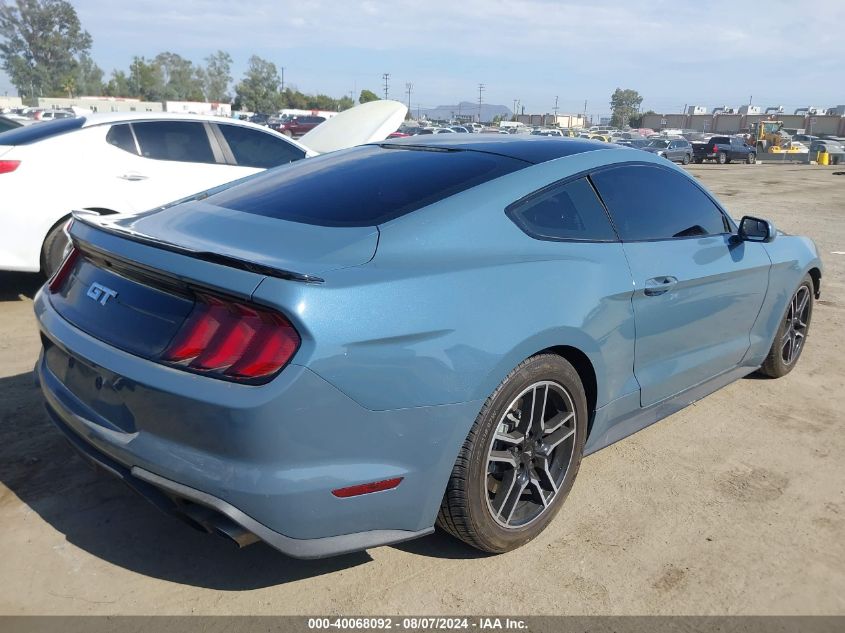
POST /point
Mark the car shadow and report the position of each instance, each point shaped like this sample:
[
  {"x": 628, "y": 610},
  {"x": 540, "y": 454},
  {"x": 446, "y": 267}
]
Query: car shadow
[
  {"x": 102, "y": 516},
  {"x": 15, "y": 285}
]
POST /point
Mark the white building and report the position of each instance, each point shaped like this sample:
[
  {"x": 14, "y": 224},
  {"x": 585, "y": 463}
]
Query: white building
[
  {"x": 198, "y": 107},
  {"x": 101, "y": 104}
]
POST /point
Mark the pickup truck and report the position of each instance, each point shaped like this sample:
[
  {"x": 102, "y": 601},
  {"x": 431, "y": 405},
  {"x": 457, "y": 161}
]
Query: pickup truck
[
  {"x": 299, "y": 125},
  {"x": 724, "y": 149}
]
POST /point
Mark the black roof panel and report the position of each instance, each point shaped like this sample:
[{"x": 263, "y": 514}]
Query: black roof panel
[{"x": 532, "y": 149}]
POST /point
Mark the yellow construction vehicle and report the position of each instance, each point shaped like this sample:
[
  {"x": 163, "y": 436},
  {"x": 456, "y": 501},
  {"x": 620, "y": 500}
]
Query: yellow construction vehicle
[{"x": 766, "y": 134}]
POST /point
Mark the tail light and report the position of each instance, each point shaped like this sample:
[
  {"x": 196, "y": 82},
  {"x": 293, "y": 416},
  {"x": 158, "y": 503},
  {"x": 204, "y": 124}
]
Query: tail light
[
  {"x": 58, "y": 280},
  {"x": 8, "y": 166},
  {"x": 232, "y": 340}
]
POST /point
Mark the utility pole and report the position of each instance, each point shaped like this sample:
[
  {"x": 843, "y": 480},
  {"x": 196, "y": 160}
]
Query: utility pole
[
  {"x": 282, "y": 88},
  {"x": 409, "y": 86},
  {"x": 555, "y": 109},
  {"x": 480, "y": 100},
  {"x": 386, "y": 77}
]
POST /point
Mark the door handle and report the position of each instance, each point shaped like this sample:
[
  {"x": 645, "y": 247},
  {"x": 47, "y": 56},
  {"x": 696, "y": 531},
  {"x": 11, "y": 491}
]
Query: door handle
[
  {"x": 132, "y": 176},
  {"x": 659, "y": 285}
]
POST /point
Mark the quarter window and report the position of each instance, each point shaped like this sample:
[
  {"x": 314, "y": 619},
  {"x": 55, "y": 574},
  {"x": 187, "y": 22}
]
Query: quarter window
[
  {"x": 121, "y": 137},
  {"x": 568, "y": 211},
  {"x": 252, "y": 148},
  {"x": 174, "y": 140},
  {"x": 652, "y": 203}
]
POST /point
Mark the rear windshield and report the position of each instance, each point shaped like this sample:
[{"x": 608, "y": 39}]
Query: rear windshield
[
  {"x": 720, "y": 140},
  {"x": 40, "y": 131},
  {"x": 363, "y": 186}
]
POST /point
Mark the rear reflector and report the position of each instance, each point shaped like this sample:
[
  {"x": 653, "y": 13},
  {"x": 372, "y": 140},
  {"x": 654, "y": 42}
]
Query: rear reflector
[
  {"x": 58, "y": 280},
  {"x": 8, "y": 166},
  {"x": 228, "y": 339},
  {"x": 364, "y": 489}
]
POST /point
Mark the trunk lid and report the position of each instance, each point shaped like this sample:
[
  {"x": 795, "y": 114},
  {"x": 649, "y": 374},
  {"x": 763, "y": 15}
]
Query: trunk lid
[
  {"x": 367, "y": 123},
  {"x": 133, "y": 281},
  {"x": 214, "y": 233}
]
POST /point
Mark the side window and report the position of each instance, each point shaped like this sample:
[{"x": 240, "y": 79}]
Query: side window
[
  {"x": 252, "y": 148},
  {"x": 651, "y": 203},
  {"x": 183, "y": 141},
  {"x": 121, "y": 137},
  {"x": 569, "y": 211}
]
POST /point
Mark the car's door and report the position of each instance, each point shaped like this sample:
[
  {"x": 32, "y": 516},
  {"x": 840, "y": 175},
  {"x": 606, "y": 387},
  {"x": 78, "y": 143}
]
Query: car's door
[
  {"x": 737, "y": 152},
  {"x": 250, "y": 151},
  {"x": 674, "y": 154},
  {"x": 698, "y": 289},
  {"x": 166, "y": 160}
]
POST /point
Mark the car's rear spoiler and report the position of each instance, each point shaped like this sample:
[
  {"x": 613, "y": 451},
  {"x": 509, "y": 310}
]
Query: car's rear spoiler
[{"x": 99, "y": 222}]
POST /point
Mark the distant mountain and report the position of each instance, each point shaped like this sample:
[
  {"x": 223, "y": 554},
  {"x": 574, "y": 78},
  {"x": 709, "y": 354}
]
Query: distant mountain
[{"x": 445, "y": 112}]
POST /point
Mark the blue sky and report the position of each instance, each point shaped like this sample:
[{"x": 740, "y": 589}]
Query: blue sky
[{"x": 674, "y": 52}]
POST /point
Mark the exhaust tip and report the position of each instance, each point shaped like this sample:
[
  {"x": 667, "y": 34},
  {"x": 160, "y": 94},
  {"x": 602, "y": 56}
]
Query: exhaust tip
[{"x": 233, "y": 532}]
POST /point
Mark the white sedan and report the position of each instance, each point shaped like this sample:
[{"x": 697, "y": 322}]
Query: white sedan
[{"x": 125, "y": 163}]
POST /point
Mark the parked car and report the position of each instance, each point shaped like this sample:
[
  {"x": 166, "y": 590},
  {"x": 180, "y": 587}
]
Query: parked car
[
  {"x": 547, "y": 132},
  {"x": 299, "y": 125},
  {"x": 601, "y": 136},
  {"x": 677, "y": 150},
  {"x": 260, "y": 118},
  {"x": 443, "y": 130},
  {"x": 8, "y": 124},
  {"x": 460, "y": 129},
  {"x": 724, "y": 149},
  {"x": 804, "y": 138},
  {"x": 637, "y": 143},
  {"x": 327, "y": 368},
  {"x": 52, "y": 115},
  {"x": 130, "y": 162}
]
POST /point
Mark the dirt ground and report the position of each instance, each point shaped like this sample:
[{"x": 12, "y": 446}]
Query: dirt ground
[{"x": 735, "y": 505}]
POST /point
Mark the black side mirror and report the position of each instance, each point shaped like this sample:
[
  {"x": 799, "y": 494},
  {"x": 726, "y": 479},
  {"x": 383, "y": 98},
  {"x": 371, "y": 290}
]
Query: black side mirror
[{"x": 756, "y": 230}]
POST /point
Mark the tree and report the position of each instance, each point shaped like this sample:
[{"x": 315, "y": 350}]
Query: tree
[
  {"x": 118, "y": 85},
  {"x": 88, "y": 77},
  {"x": 624, "y": 105},
  {"x": 367, "y": 95},
  {"x": 180, "y": 80},
  {"x": 145, "y": 80},
  {"x": 258, "y": 91},
  {"x": 40, "y": 42},
  {"x": 218, "y": 76}
]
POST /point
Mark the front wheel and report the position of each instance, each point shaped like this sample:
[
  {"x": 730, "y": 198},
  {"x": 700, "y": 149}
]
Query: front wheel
[
  {"x": 520, "y": 459},
  {"x": 751, "y": 158},
  {"x": 792, "y": 332}
]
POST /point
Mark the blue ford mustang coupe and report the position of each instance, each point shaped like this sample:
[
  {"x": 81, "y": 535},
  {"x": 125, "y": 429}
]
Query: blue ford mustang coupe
[{"x": 343, "y": 352}]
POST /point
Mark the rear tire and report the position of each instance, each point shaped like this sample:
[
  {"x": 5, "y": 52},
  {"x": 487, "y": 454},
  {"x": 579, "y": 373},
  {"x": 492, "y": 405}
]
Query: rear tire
[
  {"x": 53, "y": 251},
  {"x": 698, "y": 161},
  {"x": 721, "y": 158},
  {"x": 686, "y": 159},
  {"x": 791, "y": 336},
  {"x": 520, "y": 459}
]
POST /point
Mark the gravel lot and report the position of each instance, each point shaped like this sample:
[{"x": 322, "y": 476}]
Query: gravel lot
[{"x": 735, "y": 505}]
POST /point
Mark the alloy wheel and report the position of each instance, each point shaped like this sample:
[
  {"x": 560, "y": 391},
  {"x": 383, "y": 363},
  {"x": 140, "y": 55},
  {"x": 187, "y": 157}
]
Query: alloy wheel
[
  {"x": 530, "y": 454},
  {"x": 797, "y": 320}
]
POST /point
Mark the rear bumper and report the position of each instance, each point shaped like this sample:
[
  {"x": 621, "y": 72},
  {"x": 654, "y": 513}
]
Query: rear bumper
[
  {"x": 219, "y": 516},
  {"x": 265, "y": 457}
]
